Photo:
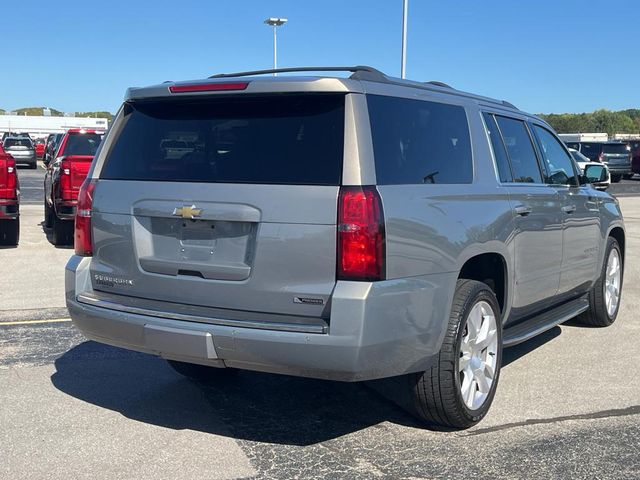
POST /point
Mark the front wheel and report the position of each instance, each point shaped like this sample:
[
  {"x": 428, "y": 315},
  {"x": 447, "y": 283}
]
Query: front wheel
[
  {"x": 604, "y": 297},
  {"x": 457, "y": 391}
]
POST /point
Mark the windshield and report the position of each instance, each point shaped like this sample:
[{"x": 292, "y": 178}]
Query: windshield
[
  {"x": 578, "y": 157},
  {"x": 591, "y": 150}
]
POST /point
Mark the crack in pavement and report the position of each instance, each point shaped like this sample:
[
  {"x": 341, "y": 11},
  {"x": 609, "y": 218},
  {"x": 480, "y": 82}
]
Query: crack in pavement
[{"x": 621, "y": 412}]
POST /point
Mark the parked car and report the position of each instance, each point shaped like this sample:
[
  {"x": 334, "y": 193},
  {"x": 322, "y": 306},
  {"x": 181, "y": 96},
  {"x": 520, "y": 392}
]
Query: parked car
[
  {"x": 340, "y": 228},
  {"x": 39, "y": 146},
  {"x": 63, "y": 178},
  {"x": 9, "y": 200},
  {"x": 615, "y": 155},
  {"x": 583, "y": 162},
  {"x": 22, "y": 150}
]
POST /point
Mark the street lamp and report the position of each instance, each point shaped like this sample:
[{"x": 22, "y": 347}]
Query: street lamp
[
  {"x": 275, "y": 22},
  {"x": 403, "y": 61}
]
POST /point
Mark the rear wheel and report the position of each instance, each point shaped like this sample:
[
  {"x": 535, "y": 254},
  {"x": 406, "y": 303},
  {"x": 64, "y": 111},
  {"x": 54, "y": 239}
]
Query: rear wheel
[
  {"x": 628, "y": 176},
  {"x": 604, "y": 297},
  {"x": 202, "y": 373},
  {"x": 9, "y": 232},
  {"x": 62, "y": 231},
  {"x": 457, "y": 391},
  {"x": 34, "y": 165},
  {"x": 616, "y": 177}
]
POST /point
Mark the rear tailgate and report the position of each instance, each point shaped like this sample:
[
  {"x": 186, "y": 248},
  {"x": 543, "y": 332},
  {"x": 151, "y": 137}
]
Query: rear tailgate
[
  {"x": 243, "y": 220},
  {"x": 78, "y": 169},
  {"x": 7, "y": 166}
]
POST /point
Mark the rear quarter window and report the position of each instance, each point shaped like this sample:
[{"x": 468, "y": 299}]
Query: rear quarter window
[
  {"x": 418, "y": 142},
  {"x": 278, "y": 139}
]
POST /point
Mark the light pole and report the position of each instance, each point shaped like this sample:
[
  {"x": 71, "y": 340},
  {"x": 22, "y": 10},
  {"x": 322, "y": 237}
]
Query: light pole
[
  {"x": 403, "y": 62},
  {"x": 275, "y": 22}
]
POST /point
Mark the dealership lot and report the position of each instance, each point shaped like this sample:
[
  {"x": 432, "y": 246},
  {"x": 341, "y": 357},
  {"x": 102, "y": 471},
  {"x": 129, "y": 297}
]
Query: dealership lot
[{"x": 568, "y": 403}]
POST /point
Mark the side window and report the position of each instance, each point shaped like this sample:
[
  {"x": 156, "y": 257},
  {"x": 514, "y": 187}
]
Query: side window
[
  {"x": 557, "y": 162},
  {"x": 524, "y": 162},
  {"x": 504, "y": 170},
  {"x": 417, "y": 142}
]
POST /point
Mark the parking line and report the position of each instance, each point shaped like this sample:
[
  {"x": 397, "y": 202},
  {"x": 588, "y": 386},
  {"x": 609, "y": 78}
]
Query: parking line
[{"x": 34, "y": 322}]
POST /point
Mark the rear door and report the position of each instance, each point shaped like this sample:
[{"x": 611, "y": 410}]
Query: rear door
[
  {"x": 538, "y": 221},
  {"x": 241, "y": 216},
  {"x": 580, "y": 217}
]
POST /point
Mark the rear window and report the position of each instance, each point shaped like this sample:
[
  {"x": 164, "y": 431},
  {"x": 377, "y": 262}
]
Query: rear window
[
  {"x": 591, "y": 150},
  {"x": 81, "y": 144},
  {"x": 417, "y": 142},
  {"x": 283, "y": 139},
  {"x": 615, "y": 148},
  {"x": 18, "y": 142}
]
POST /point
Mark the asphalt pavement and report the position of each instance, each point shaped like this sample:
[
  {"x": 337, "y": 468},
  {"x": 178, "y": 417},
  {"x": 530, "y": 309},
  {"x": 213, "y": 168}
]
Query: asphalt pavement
[{"x": 568, "y": 403}]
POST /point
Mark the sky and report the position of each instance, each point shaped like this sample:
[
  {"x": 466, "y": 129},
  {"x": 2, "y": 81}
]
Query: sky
[{"x": 544, "y": 56}]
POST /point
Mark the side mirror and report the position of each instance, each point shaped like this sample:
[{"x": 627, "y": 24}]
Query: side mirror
[{"x": 595, "y": 173}]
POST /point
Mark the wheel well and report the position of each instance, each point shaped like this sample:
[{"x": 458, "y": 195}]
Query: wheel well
[
  {"x": 618, "y": 234},
  {"x": 489, "y": 268}
]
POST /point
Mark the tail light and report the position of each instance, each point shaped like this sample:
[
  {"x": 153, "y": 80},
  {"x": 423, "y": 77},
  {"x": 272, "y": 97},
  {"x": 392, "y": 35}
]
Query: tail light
[
  {"x": 82, "y": 235},
  {"x": 361, "y": 237},
  {"x": 12, "y": 177},
  {"x": 66, "y": 189}
]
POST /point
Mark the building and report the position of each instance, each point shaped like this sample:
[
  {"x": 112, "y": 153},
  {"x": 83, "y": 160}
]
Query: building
[{"x": 41, "y": 126}]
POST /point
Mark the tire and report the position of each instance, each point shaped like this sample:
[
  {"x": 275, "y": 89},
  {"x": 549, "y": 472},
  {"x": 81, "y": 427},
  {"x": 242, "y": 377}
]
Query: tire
[
  {"x": 202, "y": 373},
  {"x": 598, "y": 314},
  {"x": 438, "y": 392},
  {"x": 48, "y": 215},
  {"x": 615, "y": 177},
  {"x": 628, "y": 176},
  {"x": 62, "y": 231},
  {"x": 9, "y": 232},
  {"x": 33, "y": 165}
]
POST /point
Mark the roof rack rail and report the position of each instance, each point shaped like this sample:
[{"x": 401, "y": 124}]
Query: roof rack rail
[
  {"x": 509, "y": 104},
  {"x": 439, "y": 84},
  {"x": 360, "y": 72}
]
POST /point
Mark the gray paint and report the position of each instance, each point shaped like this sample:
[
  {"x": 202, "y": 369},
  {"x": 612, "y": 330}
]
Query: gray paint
[{"x": 280, "y": 244}]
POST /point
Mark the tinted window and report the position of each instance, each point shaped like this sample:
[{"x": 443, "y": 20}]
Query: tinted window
[
  {"x": 574, "y": 145},
  {"x": 499, "y": 152},
  {"x": 522, "y": 156},
  {"x": 81, "y": 144},
  {"x": 18, "y": 142},
  {"x": 615, "y": 148},
  {"x": 578, "y": 156},
  {"x": 277, "y": 139},
  {"x": 557, "y": 162},
  {"x": 591, "y": 150},
  {"x": 419, "y": 142}
]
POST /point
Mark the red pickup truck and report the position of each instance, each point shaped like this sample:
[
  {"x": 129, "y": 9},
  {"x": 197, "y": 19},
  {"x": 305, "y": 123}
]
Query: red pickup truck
[
  {"x": 9, "y": 200},
  {"x": 65, "y": 173}
]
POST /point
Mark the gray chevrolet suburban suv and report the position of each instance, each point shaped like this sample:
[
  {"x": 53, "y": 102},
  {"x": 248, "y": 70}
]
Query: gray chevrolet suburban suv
[{"x": 339, "y": 228}]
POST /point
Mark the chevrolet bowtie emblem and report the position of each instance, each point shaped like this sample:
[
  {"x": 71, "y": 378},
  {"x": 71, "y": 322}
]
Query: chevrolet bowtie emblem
[{"x": 187, "y": 212}]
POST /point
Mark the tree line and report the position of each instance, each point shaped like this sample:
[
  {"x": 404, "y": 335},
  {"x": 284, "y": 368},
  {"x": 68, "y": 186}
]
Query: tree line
[
  {"x": 37, "y": 111},
  {"x": 600, "y": 121}
]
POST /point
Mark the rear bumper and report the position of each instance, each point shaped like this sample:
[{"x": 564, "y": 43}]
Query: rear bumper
[
  {"x": 9, "y": 210},
  {"x": 619, "y": 169},
  {"x": 376, "y": 330},
  {"x": 24, "y": 160}
]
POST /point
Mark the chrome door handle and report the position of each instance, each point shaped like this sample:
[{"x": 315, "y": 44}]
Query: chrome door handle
[
  {"x": 569, "y": 208},
  {"x": 523, "y": 210}
]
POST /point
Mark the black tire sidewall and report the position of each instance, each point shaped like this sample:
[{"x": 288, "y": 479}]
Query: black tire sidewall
[{"x": 481, "y": 292}]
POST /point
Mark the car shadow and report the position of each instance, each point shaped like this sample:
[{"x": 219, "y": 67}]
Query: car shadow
[{"x": 253, "y": 406}]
